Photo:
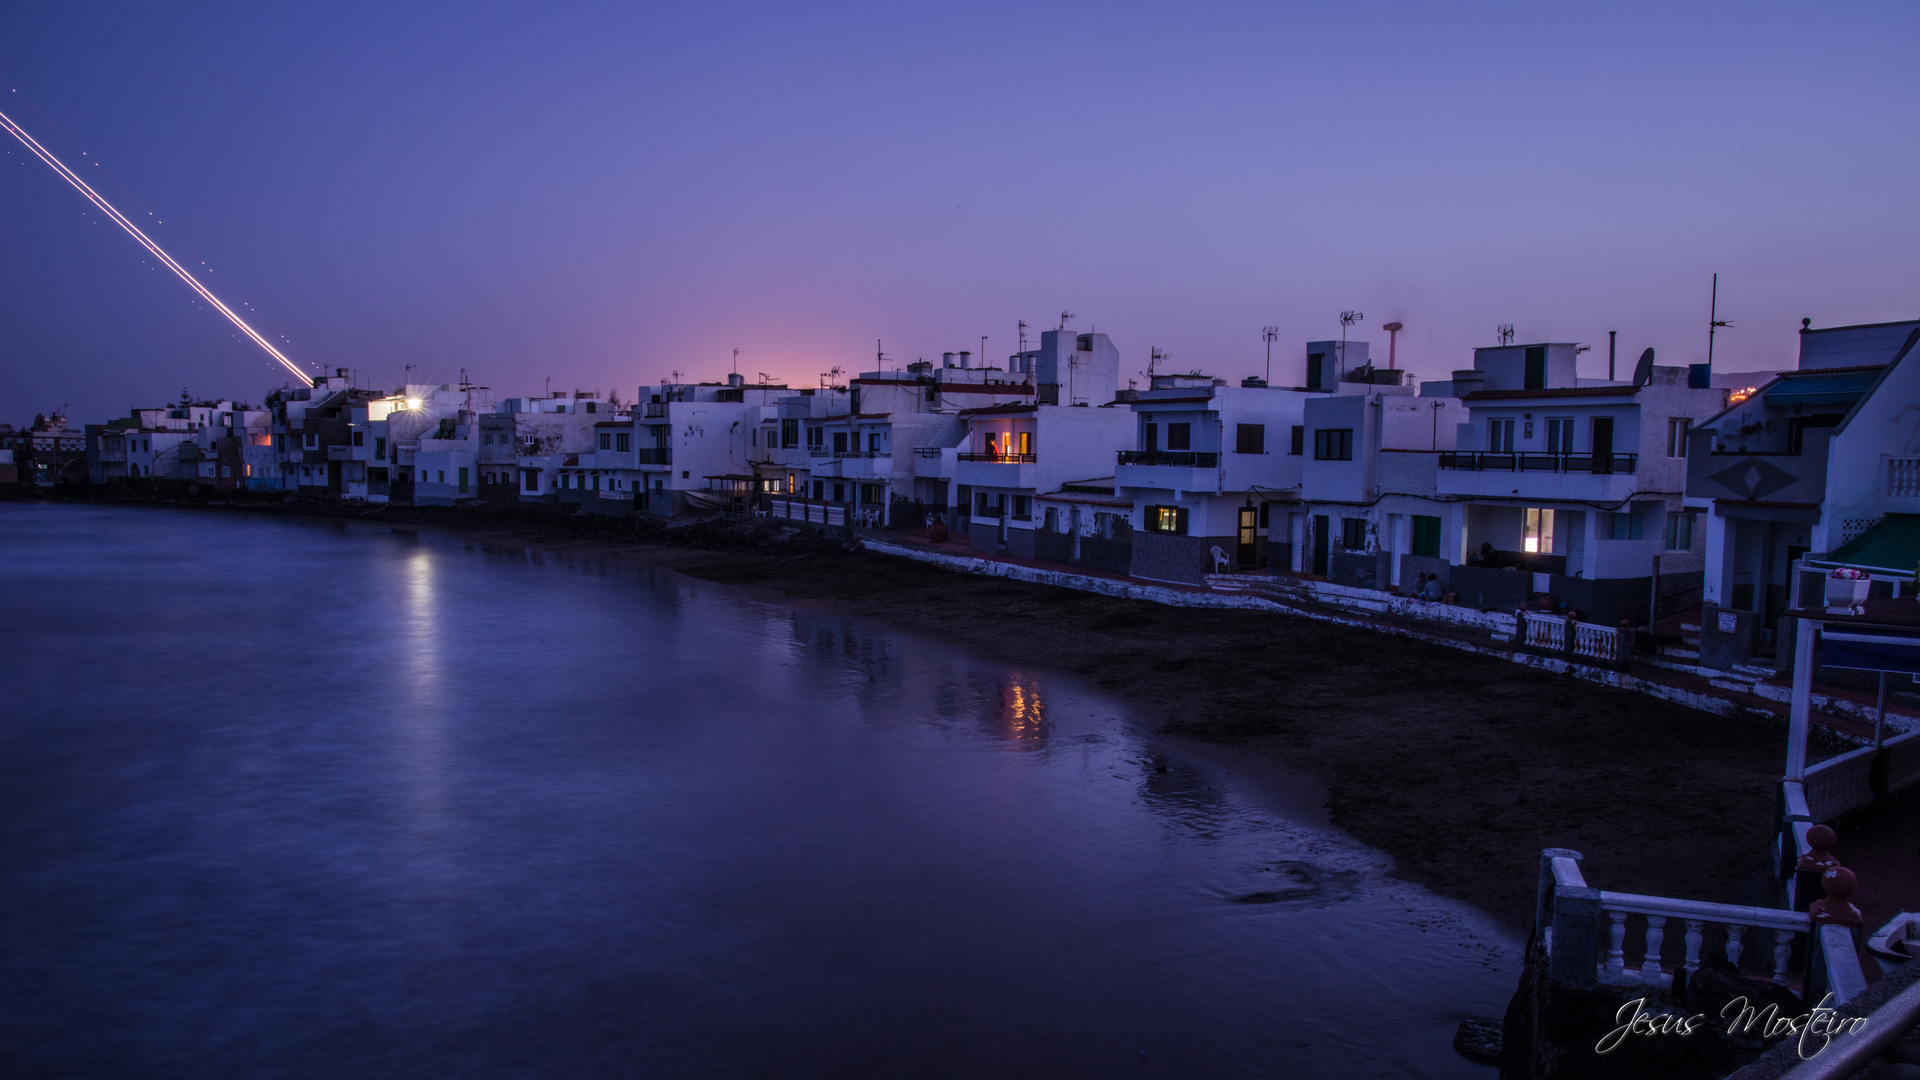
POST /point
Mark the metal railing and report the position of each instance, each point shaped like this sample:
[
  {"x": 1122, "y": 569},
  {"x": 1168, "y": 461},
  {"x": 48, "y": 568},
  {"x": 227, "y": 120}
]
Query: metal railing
[
  {"x": 1482, "y": 461},
  {"x": 1192, "y": 459},
  {"x": 862, "y": 453},
  {"x": 655, "y": 410},
  {"x": 654, "y": 455},
  {"x": 927, "y": 451},
  {"x": 999, "y": 457}
]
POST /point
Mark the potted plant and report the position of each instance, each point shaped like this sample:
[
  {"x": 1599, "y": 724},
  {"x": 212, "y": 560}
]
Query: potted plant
[{"x": 1847, "y": 590}]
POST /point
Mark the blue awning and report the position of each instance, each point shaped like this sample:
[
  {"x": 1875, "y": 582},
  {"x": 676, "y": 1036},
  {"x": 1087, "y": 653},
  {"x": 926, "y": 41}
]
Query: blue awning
[
  {"x": 1872, "y": 650},
  {"x": 1842, "y": 389}
]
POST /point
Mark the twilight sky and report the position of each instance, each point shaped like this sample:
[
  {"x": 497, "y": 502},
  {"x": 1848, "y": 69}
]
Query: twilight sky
[{"x": 603, "y": 194}]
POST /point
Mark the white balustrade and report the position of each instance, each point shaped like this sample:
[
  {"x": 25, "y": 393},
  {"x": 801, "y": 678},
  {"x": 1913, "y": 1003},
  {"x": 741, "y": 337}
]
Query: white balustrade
[
  {"x": 1695, "y": 915},
  {"x": 1839, "y": 784},
  {"x": 1903, "y": 477}
]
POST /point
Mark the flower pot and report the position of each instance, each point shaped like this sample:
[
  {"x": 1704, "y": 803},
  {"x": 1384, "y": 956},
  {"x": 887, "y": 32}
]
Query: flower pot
[{"x": 1847, "y": 593}]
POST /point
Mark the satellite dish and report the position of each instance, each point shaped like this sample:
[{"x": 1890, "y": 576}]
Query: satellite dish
[{"x": 1643, "y": 371}]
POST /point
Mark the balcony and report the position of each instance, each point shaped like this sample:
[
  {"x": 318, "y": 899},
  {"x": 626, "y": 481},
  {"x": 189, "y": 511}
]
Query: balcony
[
  {"x": 1545, "y": 477},
  {"x": 654, "y": 455},
  {"x": 339, "y": 453},
  {"x": 1187, "y": 459},
  {"x": 862, "y": 453},
  {"x": 1013, "y": 459},
  {"x": 1597, "y": 464},
  {"x": 655, "y": 410}
]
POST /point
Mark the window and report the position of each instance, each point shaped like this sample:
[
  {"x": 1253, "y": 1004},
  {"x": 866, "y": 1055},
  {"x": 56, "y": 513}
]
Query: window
[
  {"x": 310, "y": 441},
  {"x": 1539, "y": 531},
  {"x": 1426, "y": 536},
  {"x": 606, "y": 441},
  {"x": 1250, "y": 438},
  {"x": 1679, "y": 532},
  {"x": 1298, "y": 445},
  {"x": 533, "y": 480},
  {"x": 1167, "y": 519},
  {"x": 839, "y": 493},
  {"x": 839, "y": 442},
  {"x": 623, "y": 442},
  {"x": 1022, "y": 508},
  {"x": 380, "y": 448},
  {"x": 819, "y": 488},
  {"x": 873, "y": 442},
  {"x": 871, "y": 495},
  {"x": 443, "y": 476},
  {"x": 816, "y": 438},
  {"x": 1625, "y": 526},
  {"x": 463, "y": 481},
  {"x": 1536, "y": 367},
  {"x": 1264, "y": 516},
  {"x": 1353, "y": 534},
  {"x": 789, "y": 433},
  {"x": 1677, "y": 436},
  {"x": 1151, "y": 441},
  {"x": 1333, "y": 444},
  {"x": 1559, "y": 434},
  {"x": 1179, "y": 436},
  {"x": 1500, "y": 436},
  {"x": 359, "y": 438}
]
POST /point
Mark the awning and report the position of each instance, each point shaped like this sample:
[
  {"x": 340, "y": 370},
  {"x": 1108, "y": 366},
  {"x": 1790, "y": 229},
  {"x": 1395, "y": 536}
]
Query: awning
[
  {"x": 1877, "y": 650},
  {"x": 1892, "y": 546},
  {"x": 1842, "y": 389}
]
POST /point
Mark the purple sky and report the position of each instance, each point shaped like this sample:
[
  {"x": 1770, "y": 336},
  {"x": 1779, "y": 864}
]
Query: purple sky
[{"x": 605, "y": 195}]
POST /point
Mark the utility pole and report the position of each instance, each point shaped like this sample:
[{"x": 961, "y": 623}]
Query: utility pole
[{"x": 1611, "y": 336}]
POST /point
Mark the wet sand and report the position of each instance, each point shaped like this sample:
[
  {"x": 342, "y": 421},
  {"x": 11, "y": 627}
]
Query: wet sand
[{"x": 1462, "y": 767}]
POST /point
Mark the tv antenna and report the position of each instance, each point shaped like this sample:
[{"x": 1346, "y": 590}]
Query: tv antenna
[
  {"x": 1714, "y": 322},
  {"x": 1065, "y": 318},
  {"x": 1023, "y": 335},
  {"x": 1348, "y": 318},
  {"x": 736, "y": 361},
  {"x": 1505, "y": 330},
  {"x": 1155, "y": 357},
  {"x": 1268, "y": 334}
]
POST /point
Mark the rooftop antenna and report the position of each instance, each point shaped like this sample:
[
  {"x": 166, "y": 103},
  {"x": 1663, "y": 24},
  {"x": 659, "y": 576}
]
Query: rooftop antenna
[
  {"x": 1347, "y": 318},
  {"x": 1023, "y": 335},
  {"x": 1393, "y": 338},
  {"x": 736, "y": 361},
  {"x": 1268, "y": 334},
  {"x": 983, "y": 350},
  {"x": 1714, "y": 322},
  {"x": 1065, "y": 318},
  {"x": 1611, "y": 335},
  {"x": 1505, "y": 331}
]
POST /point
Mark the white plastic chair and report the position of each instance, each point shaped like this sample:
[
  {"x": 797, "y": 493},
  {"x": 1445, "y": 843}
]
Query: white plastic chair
[{"x": 1219, "y": 560}]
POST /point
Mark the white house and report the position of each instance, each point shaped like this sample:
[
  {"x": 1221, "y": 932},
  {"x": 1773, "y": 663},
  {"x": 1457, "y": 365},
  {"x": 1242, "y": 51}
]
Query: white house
[
  {"x": 1369, "y": 514},
  {"x": 1821, "y": 464},
  {"x": 1570, "y": 489},
  {"x": 1207, "y": 464},
  {"x": 1015, "y": 454}
]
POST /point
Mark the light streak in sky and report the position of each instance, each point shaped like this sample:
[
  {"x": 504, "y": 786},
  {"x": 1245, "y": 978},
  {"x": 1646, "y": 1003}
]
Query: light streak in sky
[{"x": 120, "y": 219}]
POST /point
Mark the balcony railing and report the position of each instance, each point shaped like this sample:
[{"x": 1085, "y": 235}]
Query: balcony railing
[
  {"x": 655, "y": 410},
  {"x": 926, "y": 451},
  {"x": 999, "y": 457},
  {"x": 1190, "y": 459},
  {"x": 1903, "y": 477},
  {"x": 1481, "y": 461},
  {"x": 862, "y": 453},
  {"x": 655, "y": 455}
]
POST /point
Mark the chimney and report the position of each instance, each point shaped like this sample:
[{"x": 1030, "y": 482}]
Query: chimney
[
  {"x": 966, "y": 358},
  {"x": 946, "y": 359}
]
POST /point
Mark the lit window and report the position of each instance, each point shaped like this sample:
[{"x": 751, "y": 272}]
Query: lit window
[{"x": 1539, "y": 531}]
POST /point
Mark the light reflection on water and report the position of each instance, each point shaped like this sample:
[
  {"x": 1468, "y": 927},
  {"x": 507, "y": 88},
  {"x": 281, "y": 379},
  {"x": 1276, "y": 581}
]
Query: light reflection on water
[{"x": 345, "y": 801}]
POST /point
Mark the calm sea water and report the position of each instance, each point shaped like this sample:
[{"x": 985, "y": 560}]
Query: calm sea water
[{"x": 293, "y": 799}]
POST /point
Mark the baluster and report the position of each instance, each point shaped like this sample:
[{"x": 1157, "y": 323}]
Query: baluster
[
  {"x": 1693, "y": 945},
  {"x": 1734, "y": 933},
  {"x": 1782, "y": 945},
  {"x": 1616, "y": 937},
  {"x": 1650, "y": 964}
]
